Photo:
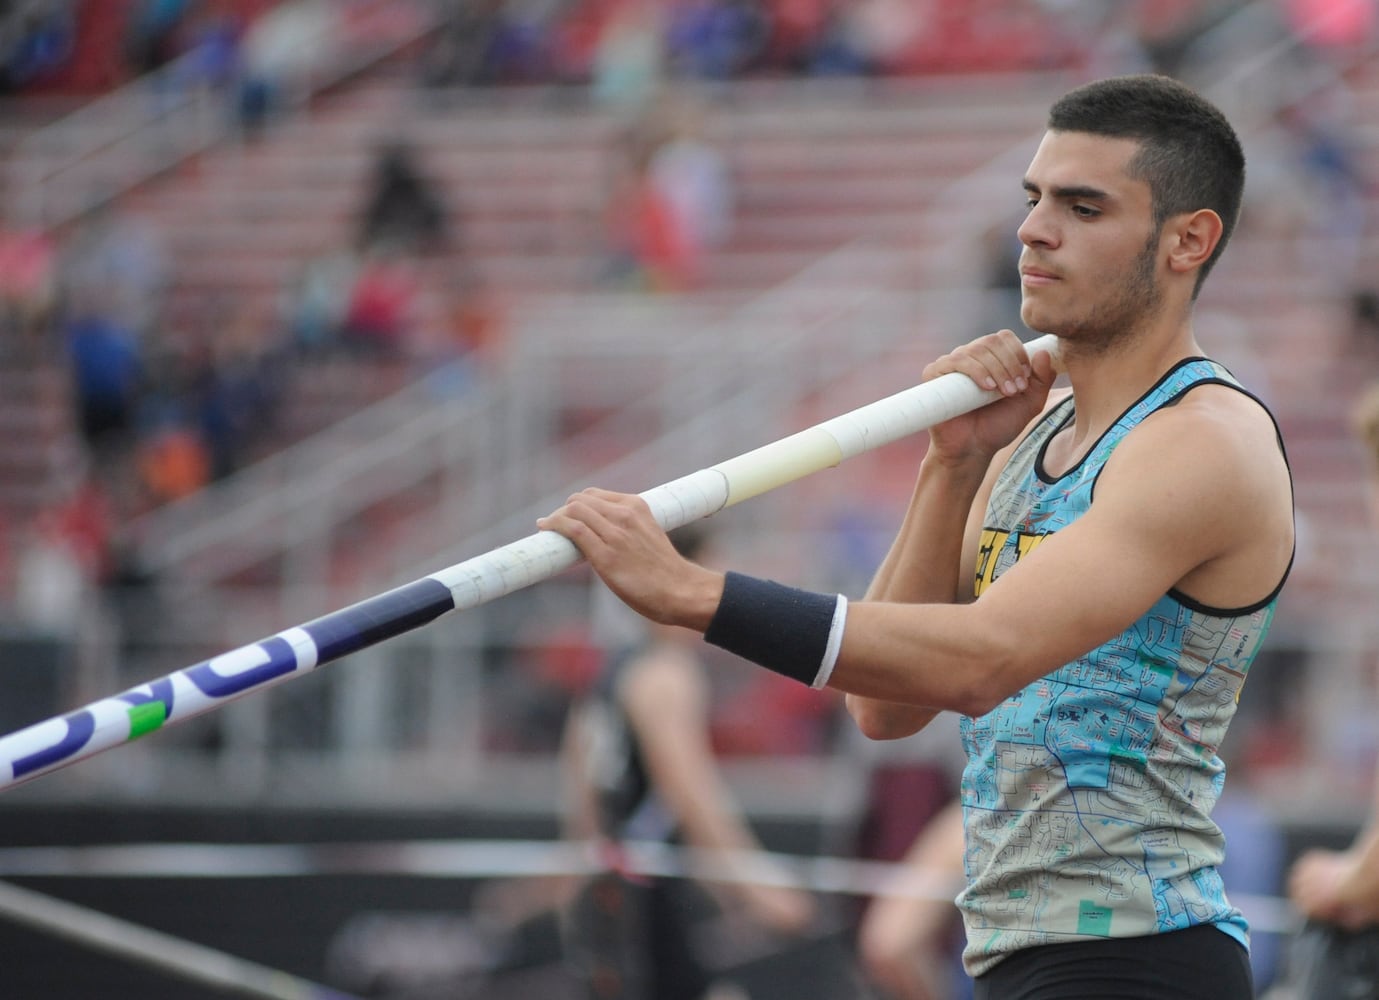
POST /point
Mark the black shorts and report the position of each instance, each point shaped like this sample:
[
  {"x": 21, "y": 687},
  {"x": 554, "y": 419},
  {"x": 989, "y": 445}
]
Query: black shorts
[{"x": 1200, "y": 963}]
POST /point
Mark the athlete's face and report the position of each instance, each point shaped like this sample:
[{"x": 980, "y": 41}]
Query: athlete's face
[{"x": 1089, "y": 269}]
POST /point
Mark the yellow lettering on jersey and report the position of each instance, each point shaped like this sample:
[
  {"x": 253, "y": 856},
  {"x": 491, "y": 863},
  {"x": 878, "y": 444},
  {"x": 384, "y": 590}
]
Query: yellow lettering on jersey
[
  {"x": 1026, "y": 544},
  {"x": 992, "y": 541}
]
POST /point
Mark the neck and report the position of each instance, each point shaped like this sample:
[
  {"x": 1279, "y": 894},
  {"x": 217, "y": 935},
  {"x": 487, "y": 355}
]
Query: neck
[{"x": 1107, "y": 378}]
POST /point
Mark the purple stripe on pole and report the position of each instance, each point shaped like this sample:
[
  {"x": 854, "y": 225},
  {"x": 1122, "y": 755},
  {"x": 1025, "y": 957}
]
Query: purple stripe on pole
[
  {"x": 281, "y": 660},
  {"x": 382, "y": 617},
  {"x": 80, "y": 726}
]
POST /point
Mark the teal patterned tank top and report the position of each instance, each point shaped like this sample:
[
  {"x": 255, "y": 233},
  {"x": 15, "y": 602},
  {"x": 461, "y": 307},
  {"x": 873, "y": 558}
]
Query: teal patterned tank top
[{"x": 1088, "y": 794}]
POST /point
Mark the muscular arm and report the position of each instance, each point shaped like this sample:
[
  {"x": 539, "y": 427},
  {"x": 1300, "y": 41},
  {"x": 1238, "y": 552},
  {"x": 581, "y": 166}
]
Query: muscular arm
[
  {"x": 924, "y": 566},
  {"x": 1214, "y": 520}
]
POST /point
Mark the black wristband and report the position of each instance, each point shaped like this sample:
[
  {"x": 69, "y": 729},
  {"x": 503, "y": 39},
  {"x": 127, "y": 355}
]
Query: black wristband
[{"x": 778, "y": 627}]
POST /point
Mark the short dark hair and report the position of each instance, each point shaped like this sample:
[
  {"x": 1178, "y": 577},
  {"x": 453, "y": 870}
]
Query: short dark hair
[{"x": 1189, "y": 155}]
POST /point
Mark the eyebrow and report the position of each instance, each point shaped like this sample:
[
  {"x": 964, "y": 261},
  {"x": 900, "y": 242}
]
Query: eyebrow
[{"x": 1075, "y": 192}]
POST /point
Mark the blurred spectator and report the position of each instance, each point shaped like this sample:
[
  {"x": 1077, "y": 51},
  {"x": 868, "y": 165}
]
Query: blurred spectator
[
  {"x": 574, "y": 36},
  {"x": 882, "y": 32},
  {"x": 1338, "y": 187},
  {"x": 36, "y": 39},
  {"x": 647, "y": 248},
  {"x": 837, "y": 50},
  {"x": 403, "y": 207},
  {"x": 382, "y": 309},
  {"x": 907, "y": 944},
  {"x": 173, "y": 462},
  {"x": 108, "y": 376},
  {"x": 211, "y": 60},
  {"x": 51, "y": 584},
  {"x": 693, "y": 176},
  {"x": 66, "y": 556},
  {"x": 315, "y": 301},
  {"x": 478, "y": 317},
  {"x": 1310, "y": 188},
  {"x": 520, "y": 49},
  {"x": 237, "y": 391},
  {"x": 1337, "y": 954},
  {"x": 716, "y": 39},
  {"x": 467, "y": 336},
  {"x": 118, "y": 256},
  {"x": 153, "y": 36},
  {"x": 28, "y": 284},
  {"x": 167, "y": 406},
  {"x": 1167, "y": 29},
  {"x": 458, "y": 54},
  {"x": 281, "y": 53},
  {"x": 639, "y": 767},
  {"x": 910, "y": 943},
  {"x": 794, "y": 25},
  {"x": 629, "y": 58},
  {"x": 1341, "y": 30}
]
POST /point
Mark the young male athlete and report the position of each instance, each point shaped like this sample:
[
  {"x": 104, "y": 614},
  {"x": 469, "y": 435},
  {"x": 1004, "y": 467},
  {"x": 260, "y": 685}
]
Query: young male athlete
[{"x": 1085, "y": 576}]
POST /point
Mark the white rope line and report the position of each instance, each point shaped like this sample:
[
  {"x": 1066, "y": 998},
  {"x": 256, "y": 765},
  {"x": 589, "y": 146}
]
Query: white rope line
[
  {"x": 185, "y": 959},
  {"x": 483, "y": 859}
]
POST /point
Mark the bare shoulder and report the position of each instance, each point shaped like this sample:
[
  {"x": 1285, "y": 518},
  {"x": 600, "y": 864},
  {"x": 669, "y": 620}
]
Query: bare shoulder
[
  {"x": 1223, "y": 422},
  {"x": 1219, "y": 440},
  {"x": 1210, "y": 473}
]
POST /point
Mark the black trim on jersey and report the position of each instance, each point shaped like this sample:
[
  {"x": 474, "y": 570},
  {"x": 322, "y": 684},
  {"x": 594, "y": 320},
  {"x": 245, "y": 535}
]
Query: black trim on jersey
[
  {"x": 1207, "y": 609},
  {"x": 1070, "y": 405},
  {"x": 1184, "y": 599},
  {"x": 1039, "y": 459}
]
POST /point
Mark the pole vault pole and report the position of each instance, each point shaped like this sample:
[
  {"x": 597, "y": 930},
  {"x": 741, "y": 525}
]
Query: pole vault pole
[{"x": 195, "y": 690}]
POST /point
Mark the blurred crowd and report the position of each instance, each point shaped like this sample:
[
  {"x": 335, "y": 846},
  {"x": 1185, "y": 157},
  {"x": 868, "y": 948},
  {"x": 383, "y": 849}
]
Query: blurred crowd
[
  {"x": 618, "y": 48},
  {"x": 171, "y": 394}
]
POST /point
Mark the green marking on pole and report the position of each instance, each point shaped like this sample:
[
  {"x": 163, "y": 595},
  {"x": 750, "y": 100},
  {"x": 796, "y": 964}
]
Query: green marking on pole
[{"x": 146, "y": 718}]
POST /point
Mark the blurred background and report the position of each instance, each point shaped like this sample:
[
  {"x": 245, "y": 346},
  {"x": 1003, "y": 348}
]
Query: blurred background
[{"x": 302, "y": 300}]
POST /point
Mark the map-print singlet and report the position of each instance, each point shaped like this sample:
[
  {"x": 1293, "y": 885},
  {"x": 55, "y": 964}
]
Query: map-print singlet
[{"x": 1088, "y": 794}]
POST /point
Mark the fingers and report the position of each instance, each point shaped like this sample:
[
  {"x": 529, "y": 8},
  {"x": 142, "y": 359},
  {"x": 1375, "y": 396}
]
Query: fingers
[
  {"x": 595, "y": 516},
  {"x": 997, "y": 361}
]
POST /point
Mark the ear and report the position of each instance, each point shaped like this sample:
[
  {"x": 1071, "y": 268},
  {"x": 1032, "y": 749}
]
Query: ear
[{"x": 1191, "y": 238}]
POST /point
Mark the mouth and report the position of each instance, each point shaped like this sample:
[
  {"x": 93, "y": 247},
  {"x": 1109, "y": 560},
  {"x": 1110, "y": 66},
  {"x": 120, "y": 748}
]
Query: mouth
[{"x": 1037, "y": 276}]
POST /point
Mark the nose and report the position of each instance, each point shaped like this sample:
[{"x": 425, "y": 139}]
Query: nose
[{"x": 1037, "y": 229}]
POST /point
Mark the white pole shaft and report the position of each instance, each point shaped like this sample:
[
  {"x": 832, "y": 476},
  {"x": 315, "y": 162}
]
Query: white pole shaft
[{"x": 109, "y": 722}]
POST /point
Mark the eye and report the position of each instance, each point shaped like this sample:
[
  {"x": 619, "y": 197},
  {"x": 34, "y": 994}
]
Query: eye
[
  {"x": 1085, "y": 211},
  {"x": 1030, "y": 203}
]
